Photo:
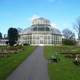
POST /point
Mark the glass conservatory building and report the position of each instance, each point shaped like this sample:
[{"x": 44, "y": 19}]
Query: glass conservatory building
[{"x": 41, "y": 33}]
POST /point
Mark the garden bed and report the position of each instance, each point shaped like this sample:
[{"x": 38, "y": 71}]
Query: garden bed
[
  {"x": 8, "y": 64},
  {"x": 5, "y": 52},
  {"x": 65, "y": 69}
]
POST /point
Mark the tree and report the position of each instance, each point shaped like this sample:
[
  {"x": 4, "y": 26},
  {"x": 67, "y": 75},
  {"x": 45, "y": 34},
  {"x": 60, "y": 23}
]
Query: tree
[
  {"x": 77, "y": 27},
  {"x": 69, "y": 37},
  {"x": 12, "y": 36},
  {"x": 0, "y": 35},
  {"x": 68, "y": 34}
]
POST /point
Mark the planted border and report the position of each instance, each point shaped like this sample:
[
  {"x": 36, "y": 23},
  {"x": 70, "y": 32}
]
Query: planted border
[{"x": 8, "y": 64}]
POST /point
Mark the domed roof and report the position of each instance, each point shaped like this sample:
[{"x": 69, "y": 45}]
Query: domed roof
[
  {"x": 41, "y": 24},
  {"x": 26, "y": 31},
  {"x": 40, "y": 21},
  {"x": 55, "y": 31}
]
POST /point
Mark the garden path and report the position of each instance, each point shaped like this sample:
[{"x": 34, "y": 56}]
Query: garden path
[{"x": 33, "y": 68}]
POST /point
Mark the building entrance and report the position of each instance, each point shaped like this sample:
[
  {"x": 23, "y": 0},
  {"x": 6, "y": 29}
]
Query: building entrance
[{"x": 41, "y": 40}]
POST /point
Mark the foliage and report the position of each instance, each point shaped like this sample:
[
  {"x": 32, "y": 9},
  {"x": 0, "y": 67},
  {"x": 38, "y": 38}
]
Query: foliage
[
  {"x": 0, "y": 35},
  {"x": 68, "y": 42},
  {"x": 26, "y": 44},
  {"x": 68, "y": 34},
  {"x": 69, "y": 37},
  {"x": 12, "y": 36}
]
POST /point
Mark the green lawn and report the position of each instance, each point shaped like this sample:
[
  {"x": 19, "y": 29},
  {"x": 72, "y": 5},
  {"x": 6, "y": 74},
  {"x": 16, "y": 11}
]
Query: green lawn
[
  {"x": 8, "y": 64},
  {"x": 65, "y": 69}
]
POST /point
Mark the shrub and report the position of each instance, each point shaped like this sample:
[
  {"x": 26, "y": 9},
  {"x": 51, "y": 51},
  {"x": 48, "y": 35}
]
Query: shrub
[
  {"x": 26, "y": 44},
  {"x": 68, "y": 42}
]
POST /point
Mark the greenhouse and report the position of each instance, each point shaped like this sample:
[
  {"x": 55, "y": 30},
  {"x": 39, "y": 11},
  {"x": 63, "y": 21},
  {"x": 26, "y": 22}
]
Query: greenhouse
[{"x": 41, "y": 33}]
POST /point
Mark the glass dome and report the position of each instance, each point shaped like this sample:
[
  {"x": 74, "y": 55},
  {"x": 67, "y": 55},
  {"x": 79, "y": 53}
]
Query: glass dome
[
  {"x": 40, "y": 28},
  {"x": 55, "y": 31},
  {"x": 40, "y": 21},
  {"x": 41, "y": 25}
]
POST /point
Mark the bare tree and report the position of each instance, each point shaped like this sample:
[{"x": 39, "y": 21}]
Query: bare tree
[
  {"x": 77, "y": 27},
  {"x": 68, "y": 34},
  {"x": 69, "y": 37}
]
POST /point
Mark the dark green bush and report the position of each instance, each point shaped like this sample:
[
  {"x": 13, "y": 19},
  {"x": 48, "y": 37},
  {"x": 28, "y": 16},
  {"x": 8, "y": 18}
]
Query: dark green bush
[
  {"x": 26, "y": 44},
  {"x": 68, "y": 42}
]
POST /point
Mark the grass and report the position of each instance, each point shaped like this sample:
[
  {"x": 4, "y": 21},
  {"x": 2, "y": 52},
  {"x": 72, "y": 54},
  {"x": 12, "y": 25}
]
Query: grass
[
  {"x": 65, "y": 69},
  {"x": 8, "y": 64}
]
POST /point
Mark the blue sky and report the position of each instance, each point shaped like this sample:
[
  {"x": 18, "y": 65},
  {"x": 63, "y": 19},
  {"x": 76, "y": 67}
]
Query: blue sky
[{"x": 18, "y": 13}]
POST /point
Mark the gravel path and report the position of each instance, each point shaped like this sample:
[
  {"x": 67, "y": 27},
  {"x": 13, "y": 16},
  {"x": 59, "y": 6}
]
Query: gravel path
[{"x": 33, "y": 68}]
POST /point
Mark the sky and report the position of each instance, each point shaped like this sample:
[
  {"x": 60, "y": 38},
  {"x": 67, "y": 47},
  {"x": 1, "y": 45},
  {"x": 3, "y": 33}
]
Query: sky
[{"x": 19, "y": 13}]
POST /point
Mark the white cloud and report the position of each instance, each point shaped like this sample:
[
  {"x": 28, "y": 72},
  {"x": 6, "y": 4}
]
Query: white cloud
[
  {"x": 29, "y": 20},
  {"x": 34, "y": 17},
  {"x": 54, "y": 25}
]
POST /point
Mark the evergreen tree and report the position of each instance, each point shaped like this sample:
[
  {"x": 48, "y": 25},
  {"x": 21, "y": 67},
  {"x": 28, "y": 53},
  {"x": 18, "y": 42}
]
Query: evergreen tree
[{"x": 12, "y": 36}]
